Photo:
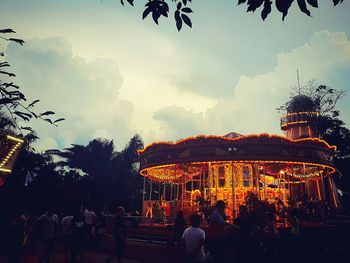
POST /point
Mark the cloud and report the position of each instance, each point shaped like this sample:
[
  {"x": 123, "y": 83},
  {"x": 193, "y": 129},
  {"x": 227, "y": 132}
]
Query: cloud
[
  {"x": 251, "y": 107},
  {"x": 85, "y": 93}
]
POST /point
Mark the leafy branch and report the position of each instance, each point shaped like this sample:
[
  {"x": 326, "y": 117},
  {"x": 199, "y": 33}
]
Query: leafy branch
[
  {"x": 13, "y": 100},
  {"x": 158, "y": 8}
]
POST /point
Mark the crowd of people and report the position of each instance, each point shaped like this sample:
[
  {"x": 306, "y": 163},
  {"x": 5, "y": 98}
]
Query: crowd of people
[
  {"x": 76, "y": 230},
  {"x": 253, "y": 235},
  {"x": 205, "y": 237}
]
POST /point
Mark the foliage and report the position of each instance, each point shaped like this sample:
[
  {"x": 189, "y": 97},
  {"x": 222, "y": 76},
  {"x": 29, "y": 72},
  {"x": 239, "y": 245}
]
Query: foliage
[
  {"x": 324, "y": 98},
  {"x": 110, "y": 178},
  {"x": 13, "y": 101},
  {"x": 158, "y": 8}
]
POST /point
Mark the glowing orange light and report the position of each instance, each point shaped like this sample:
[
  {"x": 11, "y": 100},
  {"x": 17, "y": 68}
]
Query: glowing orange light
[{"x": 317, "y": 140}]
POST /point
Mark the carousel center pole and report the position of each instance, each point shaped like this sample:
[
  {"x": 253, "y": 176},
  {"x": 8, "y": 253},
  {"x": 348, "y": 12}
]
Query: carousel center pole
[
  {"x": 150, "y": 191},
  {"x": 233, "y": 191}
]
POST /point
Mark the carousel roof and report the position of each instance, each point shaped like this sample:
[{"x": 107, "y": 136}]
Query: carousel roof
[
  {"x": 244, "y": 148},
  {"x": 232, "y": 135}
]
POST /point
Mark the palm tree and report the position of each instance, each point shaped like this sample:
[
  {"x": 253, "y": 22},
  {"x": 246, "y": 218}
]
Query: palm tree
[
  {"x": 96, "y": 161},
  {"x": 130, "y": 182}
]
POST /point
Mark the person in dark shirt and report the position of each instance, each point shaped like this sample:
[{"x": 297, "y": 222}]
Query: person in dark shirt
[
  {"x": 119, "y": 235},
  {"x": 179, "y": 227},
  {"x": 245, "y": 222},
  {"x": 77, "y": 237}
]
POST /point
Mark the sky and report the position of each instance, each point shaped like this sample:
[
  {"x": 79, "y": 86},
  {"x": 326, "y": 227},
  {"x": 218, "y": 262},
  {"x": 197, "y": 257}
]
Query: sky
[{"x": 112, "y": 75}]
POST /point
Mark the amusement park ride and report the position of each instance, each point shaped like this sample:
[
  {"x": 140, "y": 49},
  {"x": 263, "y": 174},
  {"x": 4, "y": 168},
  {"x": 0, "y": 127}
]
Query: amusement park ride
[{"x": 204, "y": 169}]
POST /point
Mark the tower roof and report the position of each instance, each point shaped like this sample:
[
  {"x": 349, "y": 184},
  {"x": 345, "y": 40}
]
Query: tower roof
[{"x": 300, "y": 103}]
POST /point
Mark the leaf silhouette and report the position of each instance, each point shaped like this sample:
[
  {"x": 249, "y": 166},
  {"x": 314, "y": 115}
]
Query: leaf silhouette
[
  {"x": 283, "y": 6},
  {"x": 313, "y": 3},
  {"x": 146, "y": 12},
  {"x": 266, "y": 10},
  {"x": 186, "y": 10},
  {"x": 179, "y": 5},
  {"x": 46, "y": 113},
  {"x": 131, "y": 2},
  {"x": 32, "y": 104},
  {"x": 4, "y": 101},
  {"x": 27, "y": 128},
  {"x": 335, "y": 2},
  {"x": 155, "y": 16},
  {"x": 303, "y": 7},
  {"x": 178, "y": 20},
  {"x": 254, "y": 4},
  {"x": 10, "y": 74},
  {"x": 48, "y": 120},
  {"x": 60, "y": 119},
  {"x": 186, "y": 20},
  {"x": 7, "y": 30},
  {"x": 19, "y": 41},
  {"x": 25, "y": 116}
]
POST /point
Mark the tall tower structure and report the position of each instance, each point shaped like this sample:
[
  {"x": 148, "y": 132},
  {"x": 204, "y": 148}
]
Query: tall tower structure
[{"x": 301, "y": 118}]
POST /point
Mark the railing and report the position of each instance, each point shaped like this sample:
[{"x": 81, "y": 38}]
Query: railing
[{"x": 298, "y": 118}]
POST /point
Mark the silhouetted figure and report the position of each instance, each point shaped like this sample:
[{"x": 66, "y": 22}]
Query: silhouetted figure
[
  {"x": 119, "y": 235},
  {"x": 219, "y": 244},
  {"x": 179, "y": 227},
  {"x": 18, "y": 228},
  {"x": 100, "y": 228},
  {"x": 89, "y": 217},
  {"x": 66, "y": 231},
  {"x": 76, "y": 237},
  {"x": 245, "y": 222},
  {"x": 48, "y": 223},
  {"x": 194, "y": 238}
]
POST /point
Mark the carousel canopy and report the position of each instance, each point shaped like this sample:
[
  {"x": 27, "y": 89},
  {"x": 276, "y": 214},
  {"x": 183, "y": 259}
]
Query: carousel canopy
[{"x": 159, "y": 159}]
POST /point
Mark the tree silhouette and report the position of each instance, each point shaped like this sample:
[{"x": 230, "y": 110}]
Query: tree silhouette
[
  {"x": 12, "y": 100},
  {"x": 159, "y": 8},
  {"x": 110, "y": 178}
]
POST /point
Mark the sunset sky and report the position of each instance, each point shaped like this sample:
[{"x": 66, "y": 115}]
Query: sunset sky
[{"x": 112, "y": 75}]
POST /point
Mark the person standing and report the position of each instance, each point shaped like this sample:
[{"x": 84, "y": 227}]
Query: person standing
[
  {"x": 18, "y": 230},
  {"x": 179, "y": 227},
  {"x": 66, "y": 228},
  {"x": 48, "y": 230},
  {"x": 76, "y": 237},
  {"x": 119, "y": 236},
  {"x": 194, "y": 238},
  {"x": 90, "y": 218},
  {"x": 218, "y": 223}
]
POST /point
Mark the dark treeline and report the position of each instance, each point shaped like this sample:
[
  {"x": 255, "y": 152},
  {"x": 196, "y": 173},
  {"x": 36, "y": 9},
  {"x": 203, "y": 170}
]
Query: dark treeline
[{"x": 94, "y": 174}]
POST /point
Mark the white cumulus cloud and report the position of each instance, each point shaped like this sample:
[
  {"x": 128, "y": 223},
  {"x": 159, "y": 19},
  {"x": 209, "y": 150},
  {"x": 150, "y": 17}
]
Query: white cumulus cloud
[{"x": 251, "y": 107}]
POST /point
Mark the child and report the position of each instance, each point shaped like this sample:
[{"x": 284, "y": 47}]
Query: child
[{"x": 193, "y": 238}]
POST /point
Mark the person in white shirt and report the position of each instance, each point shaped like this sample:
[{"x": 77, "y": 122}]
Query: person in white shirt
[
  {"x": 194, "y": 238},
  {"x": 66, "y": 228},
  {"x": 89, "y": 217}
]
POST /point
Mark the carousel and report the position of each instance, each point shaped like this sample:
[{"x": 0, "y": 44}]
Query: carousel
[
  {"x": 200, "y": 170},
  {"x": 9, "y": 150}
]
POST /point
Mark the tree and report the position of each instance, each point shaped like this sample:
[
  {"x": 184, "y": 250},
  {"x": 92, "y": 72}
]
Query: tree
[
  {"x": 12, "y": 100},
  {"x": 110, "y": 178},
  {"x": 96, "y": 161},
  {"x": 158, "y": 8},
  {"x": 130, "y": 181}
]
